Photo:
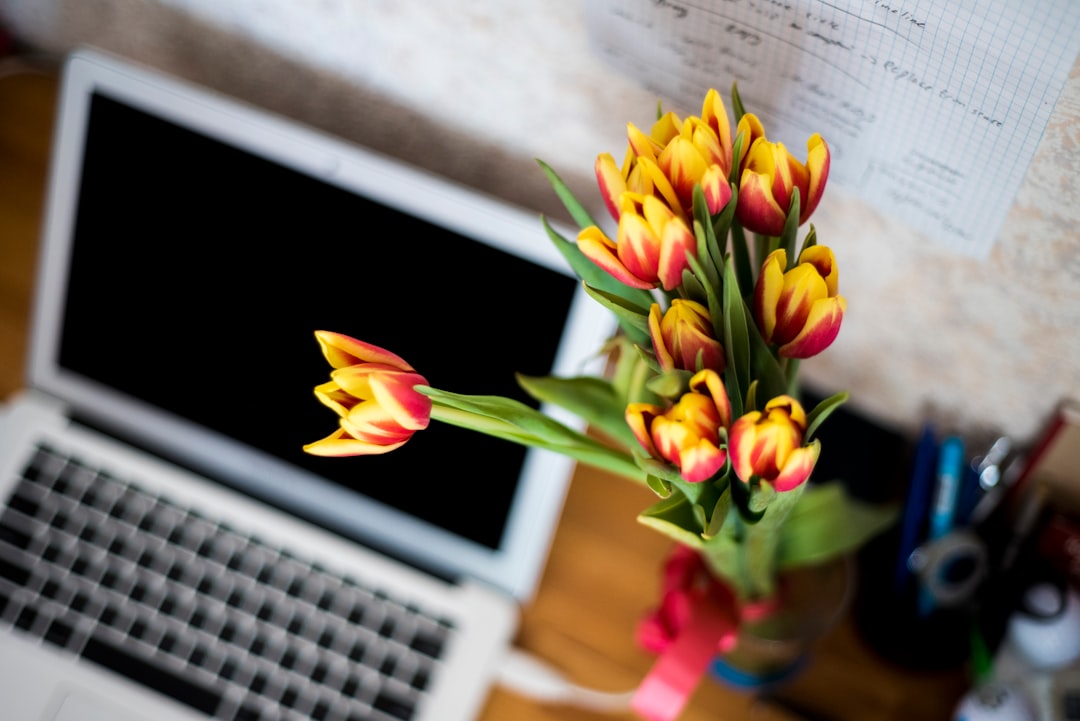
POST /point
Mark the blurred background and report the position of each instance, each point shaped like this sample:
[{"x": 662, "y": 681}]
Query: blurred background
[{"x": 477, "y": 91}]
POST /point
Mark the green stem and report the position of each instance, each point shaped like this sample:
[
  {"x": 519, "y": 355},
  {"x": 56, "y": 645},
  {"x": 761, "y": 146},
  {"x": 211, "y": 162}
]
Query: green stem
[{"x": 576, "y": 445}]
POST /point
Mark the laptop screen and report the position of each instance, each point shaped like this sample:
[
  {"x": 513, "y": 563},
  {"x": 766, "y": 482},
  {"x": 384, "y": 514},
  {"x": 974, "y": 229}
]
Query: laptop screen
[{"x": 197, "y": 274}]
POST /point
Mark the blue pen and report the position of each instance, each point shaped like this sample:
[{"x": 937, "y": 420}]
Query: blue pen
[
  {"x": 950, "y": 467},
  {"x": 917, "y": 506}
]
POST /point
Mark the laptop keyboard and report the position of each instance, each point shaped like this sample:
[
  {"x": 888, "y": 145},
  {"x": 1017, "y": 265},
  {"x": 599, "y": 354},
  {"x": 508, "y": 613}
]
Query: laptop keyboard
[{"x": 217, "y": 619}]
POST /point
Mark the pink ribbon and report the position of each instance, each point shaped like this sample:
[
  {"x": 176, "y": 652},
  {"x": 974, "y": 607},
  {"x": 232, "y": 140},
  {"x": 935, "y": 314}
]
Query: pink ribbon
[
  {"x": 697, "y": 619},
  {"x": 673, "y": 677}
]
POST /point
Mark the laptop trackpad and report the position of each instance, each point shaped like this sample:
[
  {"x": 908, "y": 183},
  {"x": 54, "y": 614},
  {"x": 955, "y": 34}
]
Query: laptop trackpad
[{"x": 82, "y": 707}]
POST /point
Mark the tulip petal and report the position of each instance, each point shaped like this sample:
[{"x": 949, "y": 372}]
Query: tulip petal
[
  {"x": 341, "y": 350},
  {"x": 819, "y": 331},
  {"x": 369, "y": 423},
  {"x": 800, "y": 464},
  {"x": 757, "y": 208},
  {"x": 611, "y": 181},
  {"x": 767, "y": 292},
  {"x": 802, "y": 287},
  {"x": 640, "y": 416},
  {"x": 339, "y": 443},
  {"x": 676, "y": 245},
  {"x": 660, "y": 344},
  {"x": 716, "y": 188},
  {"x": 824, "y": 261},
  {"x": 817, "y": 163},
  {"x": 684, "y": 166},
  {"x": 709, "y": 381},
  {"x": 701, "y": 462},
  {"x": 741, "y": 445},
  {"x": 662, "y": 186},
  {"x": 332, "y": 396},
  {"x": 638, "y": 246},
  {"x": 598, "y": 248},
  {"x": 395, "y": 394}
]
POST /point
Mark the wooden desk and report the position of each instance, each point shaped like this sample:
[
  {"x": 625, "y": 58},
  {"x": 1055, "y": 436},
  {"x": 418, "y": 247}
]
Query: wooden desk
[{"x": 603, "y": 570}]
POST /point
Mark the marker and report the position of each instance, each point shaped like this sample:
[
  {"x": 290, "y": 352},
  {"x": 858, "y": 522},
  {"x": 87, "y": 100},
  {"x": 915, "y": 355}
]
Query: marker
[{"x": 950, "y": 468}]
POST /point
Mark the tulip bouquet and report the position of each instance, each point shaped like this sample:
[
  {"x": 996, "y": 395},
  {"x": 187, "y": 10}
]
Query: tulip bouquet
[{"x": 717, "y": 304}]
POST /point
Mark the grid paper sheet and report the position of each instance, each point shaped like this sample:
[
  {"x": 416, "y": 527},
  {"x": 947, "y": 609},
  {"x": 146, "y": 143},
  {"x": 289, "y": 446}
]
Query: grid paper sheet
[{"x": 932, "y": 109}]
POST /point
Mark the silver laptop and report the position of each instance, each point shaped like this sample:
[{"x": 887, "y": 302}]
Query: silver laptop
[{"x": 167, "y": 551}]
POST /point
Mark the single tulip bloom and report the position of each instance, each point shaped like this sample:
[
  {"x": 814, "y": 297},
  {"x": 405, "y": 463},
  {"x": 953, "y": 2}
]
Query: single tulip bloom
[
  {"x": 651, "y": 247},
  {"x": 691, "y": 434},
  {"x": 685, "y": 164},
  {"x": 372, "y": 391},
  {"x": 769, "y": 176},
  {"x": 682, "y": 333},
  {"x": 799, "y": 310},
  {"x": 669, "y": 160},
  {"x": 769, "y": 444}
]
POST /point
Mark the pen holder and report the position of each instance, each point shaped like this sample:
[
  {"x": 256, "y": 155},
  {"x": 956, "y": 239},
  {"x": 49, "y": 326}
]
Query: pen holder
[{"x": 890, "y": 622}]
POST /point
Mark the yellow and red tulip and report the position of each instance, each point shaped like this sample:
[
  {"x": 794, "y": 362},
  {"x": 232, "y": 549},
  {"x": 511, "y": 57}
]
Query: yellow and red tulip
[
  {"x": 371, "y": 390},
  {"x": 799, "y": 310},
  {"x": 673, "y": 157},
  {"x": 769, "y": 175},
  {"x": 651, "y": 246},
  {"x": 691, "y": 433},
  {"x": 681, "y": 333},
  {"x": 769, "y": 444}
]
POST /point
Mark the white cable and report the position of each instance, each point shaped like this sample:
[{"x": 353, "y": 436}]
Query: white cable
[{"x": 528, "y": 676}]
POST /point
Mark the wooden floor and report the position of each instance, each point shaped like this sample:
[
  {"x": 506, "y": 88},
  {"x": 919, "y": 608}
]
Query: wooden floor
[{"x": 603, "y": 570}]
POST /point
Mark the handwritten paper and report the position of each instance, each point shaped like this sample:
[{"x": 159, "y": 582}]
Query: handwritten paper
[{"x": 932, "y": 109}]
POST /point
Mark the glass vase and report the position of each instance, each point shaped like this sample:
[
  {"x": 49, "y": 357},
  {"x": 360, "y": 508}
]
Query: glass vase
[{"x": 773, "y": 645}]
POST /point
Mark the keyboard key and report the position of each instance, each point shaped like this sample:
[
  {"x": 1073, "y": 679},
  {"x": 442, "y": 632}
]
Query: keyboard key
[
  {"x": 394, "y": 704},
  {"x": 148, "y": 673}
]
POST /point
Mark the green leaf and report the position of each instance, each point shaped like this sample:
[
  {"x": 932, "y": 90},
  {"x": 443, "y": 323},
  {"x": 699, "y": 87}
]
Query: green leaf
[
  {"x": 827, "y": 523},
  {"x": 736, "y": 103},
  {"x": 764, "y": 365},
  {"x": 741, "y": 496},
  {"x": 719, "y": 513},
  {"x": 576, "y": 209},
  {"x": 592, "y": 399},
  {"x": 691, "y": 285},
  {"x": 791, "y": 229},
  {"x": 674, "y": 517},
  {"x": 703, "y": 492},
  {"x": 658, "y": 486},
  {"x": 633, "y": 322},
  {"x": 669, "y": 474},
  {"x": 707, "y": 250},
  {"x": 809, "y": 241},
  {"x": 745, "y": 273},
  {"x": 516, "y": 422},
  {"x": 591, "y": 273},
  {"x": 736, "y": 342},
  {"x": 670, "y": 384},
  {"x": 822, "y": 410}
]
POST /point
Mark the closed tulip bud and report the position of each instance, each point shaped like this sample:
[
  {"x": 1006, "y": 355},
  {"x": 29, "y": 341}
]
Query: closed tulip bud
[
  {"x": 691, "y": 433},
  {"x": 681, "y": 334},
  {"x": 769, "y": 445},
  {"x": 651, "y": 247},
  {"x": 769, "y": 176},
  {"x": 799, "y": 310},
  {"x": 371, "y": 390}
]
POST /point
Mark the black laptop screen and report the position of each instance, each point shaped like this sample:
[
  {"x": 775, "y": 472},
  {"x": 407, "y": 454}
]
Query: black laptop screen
[{"x": 200, "y": 273}]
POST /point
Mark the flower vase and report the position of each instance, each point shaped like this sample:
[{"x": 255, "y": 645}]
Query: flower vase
[{"x": 773, "y": 642}]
